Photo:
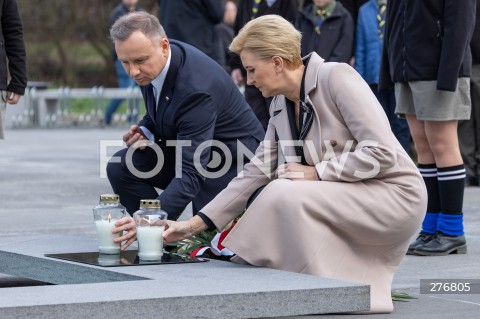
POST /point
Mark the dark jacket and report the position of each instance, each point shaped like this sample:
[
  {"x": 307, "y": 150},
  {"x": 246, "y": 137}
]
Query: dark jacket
[
  {"x": 119, "y": 11},
  {"x": 199, "y": 102},
  {"x": 475, "y": 43},
  {"x": 226, "y": 34},
  {"x": 193, "y": 22},
  {"x": 284, "y": 8},
  {"x": 427, "y": 40},
  {"x": 335, "y": 41},
  {"x": 13, "y": 48},
  {"x": 353, "y": 6}
]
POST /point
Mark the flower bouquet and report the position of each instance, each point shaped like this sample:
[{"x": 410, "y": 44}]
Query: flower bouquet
[{"x": 207, "y": 244}]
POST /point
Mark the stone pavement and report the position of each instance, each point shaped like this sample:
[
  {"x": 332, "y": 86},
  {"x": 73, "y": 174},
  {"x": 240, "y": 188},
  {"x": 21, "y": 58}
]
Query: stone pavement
[{"x": 50, "y": 180}]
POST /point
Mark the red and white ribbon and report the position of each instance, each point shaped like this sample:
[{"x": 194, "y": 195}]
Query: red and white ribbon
[{"x": 216, "y": 246}]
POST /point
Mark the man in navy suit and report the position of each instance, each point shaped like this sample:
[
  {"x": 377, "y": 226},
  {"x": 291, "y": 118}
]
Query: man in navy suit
[{"x": 192, "y": 105}]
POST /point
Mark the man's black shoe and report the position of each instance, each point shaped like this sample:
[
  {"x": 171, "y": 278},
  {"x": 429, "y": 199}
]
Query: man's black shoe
[
  {"x": 422, "y": 239},
  {"x": 443, "y": 245}
]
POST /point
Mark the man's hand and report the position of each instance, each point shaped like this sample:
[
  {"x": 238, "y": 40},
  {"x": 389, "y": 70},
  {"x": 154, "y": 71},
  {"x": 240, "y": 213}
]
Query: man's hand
[
  {"x": 297, "y": 172},
  {"x": 135, "y": 137},
  {"x": 126, "y": 224},
  {"x": 12, "y": 98}
]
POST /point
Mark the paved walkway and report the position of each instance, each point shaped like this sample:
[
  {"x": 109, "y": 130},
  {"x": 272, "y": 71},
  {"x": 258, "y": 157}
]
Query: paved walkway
[{"x": 51, "y": 179}]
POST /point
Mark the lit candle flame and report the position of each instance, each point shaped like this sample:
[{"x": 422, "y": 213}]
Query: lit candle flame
[{"x": 109, "y": 217}]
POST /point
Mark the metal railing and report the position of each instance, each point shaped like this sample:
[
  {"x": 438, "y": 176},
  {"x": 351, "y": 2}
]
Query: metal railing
[{"x": 54, "y": 107}]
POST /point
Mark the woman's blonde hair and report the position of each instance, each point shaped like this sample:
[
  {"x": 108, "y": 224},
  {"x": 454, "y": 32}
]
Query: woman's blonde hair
[{"x": 268, "y": 36}]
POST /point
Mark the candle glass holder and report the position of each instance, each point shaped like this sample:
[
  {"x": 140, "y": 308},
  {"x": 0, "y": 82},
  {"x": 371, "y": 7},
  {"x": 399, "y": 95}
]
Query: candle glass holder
[
  {"x": 105, "y": 214},
  {"x": 150, "y": 221},
  {"x": 108, "y": 260}
]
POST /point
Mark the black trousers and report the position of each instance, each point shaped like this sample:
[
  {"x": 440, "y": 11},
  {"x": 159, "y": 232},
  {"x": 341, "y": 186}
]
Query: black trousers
[
  {"x": 398, "y": 125},
  {"x": 469, "y": 130}
]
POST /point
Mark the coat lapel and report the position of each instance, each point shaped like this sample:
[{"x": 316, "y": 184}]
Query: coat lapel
[{"x": 315, "y": 134}]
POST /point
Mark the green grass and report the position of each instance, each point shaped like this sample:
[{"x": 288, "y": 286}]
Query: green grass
[{"x": 401, "y": 296}]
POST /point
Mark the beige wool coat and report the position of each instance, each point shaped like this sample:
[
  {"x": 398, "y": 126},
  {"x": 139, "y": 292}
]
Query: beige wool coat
[{"x": 354, "y": 224}]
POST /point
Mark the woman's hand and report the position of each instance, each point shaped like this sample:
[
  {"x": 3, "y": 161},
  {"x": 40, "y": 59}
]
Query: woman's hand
[
  {"x": 175, "y": 231},
  {"x": 126, "y": 224},
  {"x": 297, "y": 172}
]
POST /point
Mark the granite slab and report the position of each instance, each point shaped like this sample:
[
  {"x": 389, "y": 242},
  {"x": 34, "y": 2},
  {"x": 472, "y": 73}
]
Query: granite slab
[{"x": 214, "y": 289}]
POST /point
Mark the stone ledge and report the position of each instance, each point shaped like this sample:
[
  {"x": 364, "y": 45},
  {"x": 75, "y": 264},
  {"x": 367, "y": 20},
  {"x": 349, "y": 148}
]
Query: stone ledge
[
  {"x": 55, "y": 272},
  {"x": 201, "y": 290}
]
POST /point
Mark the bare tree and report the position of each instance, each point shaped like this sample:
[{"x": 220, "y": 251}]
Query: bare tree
[{"x": 67, "y": 40}]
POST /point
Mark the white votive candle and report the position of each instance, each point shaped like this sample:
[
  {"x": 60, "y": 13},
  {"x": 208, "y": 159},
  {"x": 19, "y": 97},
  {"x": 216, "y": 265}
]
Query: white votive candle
[
  {"x": 105, "y": 237},
  {"x": 150, "y": 242}
]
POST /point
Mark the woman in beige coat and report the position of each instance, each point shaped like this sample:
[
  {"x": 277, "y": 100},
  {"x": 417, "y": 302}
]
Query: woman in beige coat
[{"x": 344, "y": 205}]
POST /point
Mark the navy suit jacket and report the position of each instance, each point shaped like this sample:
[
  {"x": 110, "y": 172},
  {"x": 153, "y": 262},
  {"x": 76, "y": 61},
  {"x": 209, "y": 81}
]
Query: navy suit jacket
[{"x": 199, "y": 102}]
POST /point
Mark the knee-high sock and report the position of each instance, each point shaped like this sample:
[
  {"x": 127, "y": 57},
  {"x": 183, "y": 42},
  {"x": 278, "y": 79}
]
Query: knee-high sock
[
  {"x": 451, "y": 184},
  {"x": 429, "y": 174}
]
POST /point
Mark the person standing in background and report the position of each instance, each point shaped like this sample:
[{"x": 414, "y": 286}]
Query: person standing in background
[
  {"x": 193, "y": 22},
  {"x": 327, "y": 29},
  {"x": 469, "y": 131},
  {"x": 13, "y": 60},
  {"x": 426, "y": 56},
  {"x": 353, "y": 6},
  {"x": 248, "y": 10},
  {"x": 124, "y": 81},
  {"x": 225, "y": 30},
  {"x": 368, "y": 54}
]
